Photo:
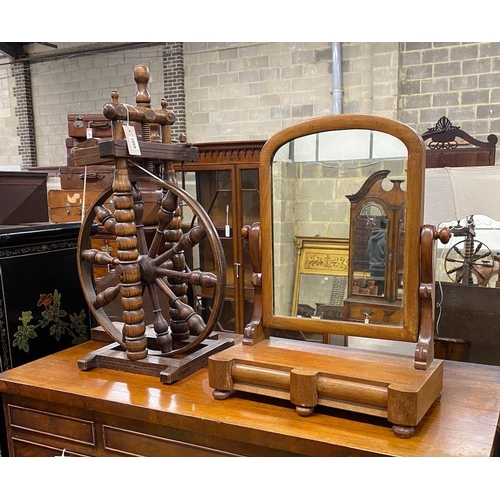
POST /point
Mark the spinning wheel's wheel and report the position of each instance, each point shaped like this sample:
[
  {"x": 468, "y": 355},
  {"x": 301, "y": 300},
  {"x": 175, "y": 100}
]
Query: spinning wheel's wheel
[
  {"x": 153, "y": 273},
  {"x": 469, "y": 262}
]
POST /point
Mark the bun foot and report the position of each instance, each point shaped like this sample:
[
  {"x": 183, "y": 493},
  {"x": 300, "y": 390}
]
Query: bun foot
[
  {"x": 402, "y": 431},
  {"x": 304, "y": 411},
  {"x": 220, "y": 395}
]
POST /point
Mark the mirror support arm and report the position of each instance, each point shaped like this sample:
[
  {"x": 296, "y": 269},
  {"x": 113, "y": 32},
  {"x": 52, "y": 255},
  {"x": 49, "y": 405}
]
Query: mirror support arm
[
  {"x": 424, "y": 350},
  {"x": 254, "y": 332}
]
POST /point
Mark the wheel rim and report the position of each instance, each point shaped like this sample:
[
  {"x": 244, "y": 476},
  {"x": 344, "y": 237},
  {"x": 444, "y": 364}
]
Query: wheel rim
[{"x": 86, "y": 268}]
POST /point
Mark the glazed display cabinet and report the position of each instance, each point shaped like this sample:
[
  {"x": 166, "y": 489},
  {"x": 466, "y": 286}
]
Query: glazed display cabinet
[{"x": 225, "y": 181}]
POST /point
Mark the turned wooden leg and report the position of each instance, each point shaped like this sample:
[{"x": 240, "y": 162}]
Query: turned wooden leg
[
  {"x": 220, "y": 395},
  {"x": 403, "y": 431},
  {"x": 304, "y": 411}
]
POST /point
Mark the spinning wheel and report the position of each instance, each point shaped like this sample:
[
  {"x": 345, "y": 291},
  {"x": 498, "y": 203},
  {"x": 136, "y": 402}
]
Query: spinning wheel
[
  {"x": 179, "y": 336},
  {"x": 469, "y": 261}
]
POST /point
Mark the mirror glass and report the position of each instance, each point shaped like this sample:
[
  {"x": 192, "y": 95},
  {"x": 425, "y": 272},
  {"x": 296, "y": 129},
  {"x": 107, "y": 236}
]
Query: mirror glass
[
  {"x": 370, "y": 250},
  {"x": 320, "y": 186}
]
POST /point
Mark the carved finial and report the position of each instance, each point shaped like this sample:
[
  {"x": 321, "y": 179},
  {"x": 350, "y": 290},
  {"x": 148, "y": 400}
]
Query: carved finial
[
  {"x": 114, "y": 96},
  {"x": 443, "y": 235},
  {"x": 163, "y": 103},
  {"x": 141, "y": 77}
]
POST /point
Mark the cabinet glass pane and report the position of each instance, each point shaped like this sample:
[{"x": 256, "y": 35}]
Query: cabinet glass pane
[
  {"x": 250, "y": 179},
  {"x": 214, "y": 197},
  {"x": 249, "y": 182}
]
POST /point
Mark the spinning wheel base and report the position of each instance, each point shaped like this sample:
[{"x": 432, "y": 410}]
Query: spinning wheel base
[{"x": 169, "y": 370}]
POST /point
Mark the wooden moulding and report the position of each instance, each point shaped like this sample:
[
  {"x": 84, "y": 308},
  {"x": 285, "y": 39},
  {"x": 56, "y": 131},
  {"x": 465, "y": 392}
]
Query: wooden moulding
[
  {"x": 168, "y": 369},
  {"x": 118, "y": 149},
  {"x": 377, "y": 384}
]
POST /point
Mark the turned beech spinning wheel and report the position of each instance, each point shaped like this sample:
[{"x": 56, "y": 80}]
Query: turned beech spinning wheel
[
  {"x": 158, "y": 268},
  {"x": 469, "y": 261}
]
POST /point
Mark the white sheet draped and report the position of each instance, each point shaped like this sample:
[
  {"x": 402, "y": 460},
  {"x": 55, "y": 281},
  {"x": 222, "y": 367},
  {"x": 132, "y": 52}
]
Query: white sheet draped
[{"x": 452, "y": 193}]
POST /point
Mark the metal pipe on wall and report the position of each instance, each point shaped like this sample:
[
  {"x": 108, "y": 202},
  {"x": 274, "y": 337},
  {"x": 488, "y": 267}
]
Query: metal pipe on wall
[{"x": 337, "y": 88}]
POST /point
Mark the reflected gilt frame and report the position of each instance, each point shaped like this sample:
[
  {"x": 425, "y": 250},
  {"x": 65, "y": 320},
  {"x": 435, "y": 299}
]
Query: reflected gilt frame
[{"x": 319, "y": 256}]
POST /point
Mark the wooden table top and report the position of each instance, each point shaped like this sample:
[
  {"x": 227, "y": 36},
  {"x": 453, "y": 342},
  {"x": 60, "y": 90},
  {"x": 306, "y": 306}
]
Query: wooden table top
[{"x": 462, "y": 423}]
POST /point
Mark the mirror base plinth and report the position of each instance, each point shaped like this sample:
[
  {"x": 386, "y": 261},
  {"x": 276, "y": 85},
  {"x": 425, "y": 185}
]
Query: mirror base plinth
[{"x": 377, "y": 384}]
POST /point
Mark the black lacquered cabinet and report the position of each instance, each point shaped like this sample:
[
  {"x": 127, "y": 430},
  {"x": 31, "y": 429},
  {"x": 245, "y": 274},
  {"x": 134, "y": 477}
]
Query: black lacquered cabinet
[{"x": 42, "y": 306}]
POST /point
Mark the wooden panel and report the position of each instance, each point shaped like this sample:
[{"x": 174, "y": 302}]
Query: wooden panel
[
  {"x": 118, "y": 149},
  {"x": 58, "y": 426},
  {"x": 461, "y": 157},
  {"x": 24, "y": 448},
  {"x": 230, "y": 152},
  {"x": 470, "y": 314},
  {"x": 138, "y": 444}
]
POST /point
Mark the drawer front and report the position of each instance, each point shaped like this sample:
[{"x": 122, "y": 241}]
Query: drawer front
[
  {"x": 38, "y": 430},
  {"x": 376, "y": 313},
  {"x": 51, "y": 424},
  {"x": 24, "y": 448},
  {"x": 136, "y": 444}
]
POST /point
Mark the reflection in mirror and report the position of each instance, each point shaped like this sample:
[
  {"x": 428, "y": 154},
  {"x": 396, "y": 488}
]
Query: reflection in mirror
[
  {"x": 321, "y": 277},
  {"x": 314, "y": 179},
  {"x": 472, "y": 256},
  {"x": 370, "y": 250}
]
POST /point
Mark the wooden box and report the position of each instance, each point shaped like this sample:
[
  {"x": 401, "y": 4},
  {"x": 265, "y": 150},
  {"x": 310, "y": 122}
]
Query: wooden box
[
  {"x": 94, "y": 124},
  {"x": 67, "y": 205},
  {"x": 96, "y": 177},
  {"x": 73, "y": 143}
]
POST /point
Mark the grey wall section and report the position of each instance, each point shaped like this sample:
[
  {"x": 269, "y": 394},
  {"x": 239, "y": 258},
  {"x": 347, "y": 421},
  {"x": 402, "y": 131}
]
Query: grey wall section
[{"x": 223, "y": 91}]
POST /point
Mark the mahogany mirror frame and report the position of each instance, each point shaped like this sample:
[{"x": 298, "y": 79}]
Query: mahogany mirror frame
[{"x": 409, "y": 329}]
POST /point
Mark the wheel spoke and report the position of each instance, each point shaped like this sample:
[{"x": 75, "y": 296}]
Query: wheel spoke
[
  {"x": 197, "y": 278},
  {"x": 106, "y": 296},
  {"x": 160, "y": 324},
  {"x": 187, "y": 241},
  {"x": 194, "y": 321}
]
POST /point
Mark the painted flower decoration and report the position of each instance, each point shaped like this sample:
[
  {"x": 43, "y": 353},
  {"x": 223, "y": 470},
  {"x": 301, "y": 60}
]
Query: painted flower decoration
[{"x": 45, "y": 300}]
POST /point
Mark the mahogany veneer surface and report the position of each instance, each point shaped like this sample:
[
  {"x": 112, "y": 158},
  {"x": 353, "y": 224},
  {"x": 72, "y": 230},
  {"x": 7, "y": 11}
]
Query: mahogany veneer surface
[{"x": 50, "y": 406}]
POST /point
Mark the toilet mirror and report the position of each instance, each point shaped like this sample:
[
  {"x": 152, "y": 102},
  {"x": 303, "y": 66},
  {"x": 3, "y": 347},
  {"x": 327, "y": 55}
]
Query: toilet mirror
[{"x": 340, "y": 223}]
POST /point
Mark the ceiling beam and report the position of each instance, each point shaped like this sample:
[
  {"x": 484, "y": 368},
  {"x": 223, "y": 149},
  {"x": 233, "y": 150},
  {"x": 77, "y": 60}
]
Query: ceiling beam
[{"x": 12, "y": 49}]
